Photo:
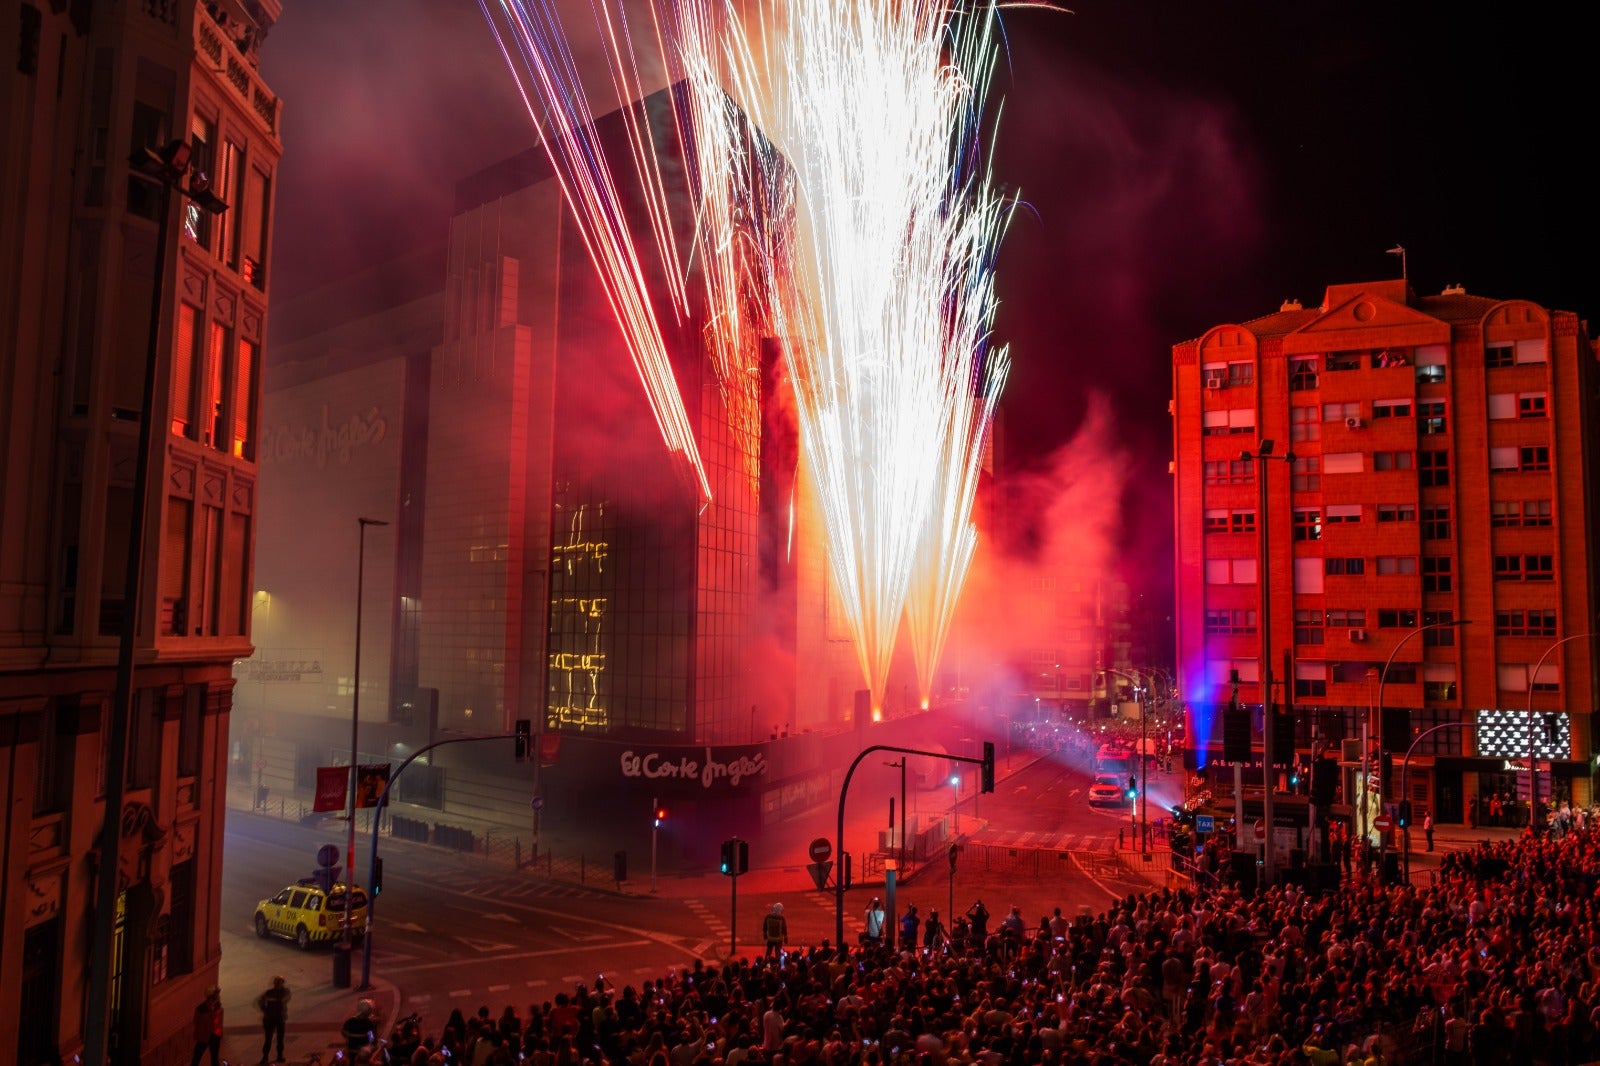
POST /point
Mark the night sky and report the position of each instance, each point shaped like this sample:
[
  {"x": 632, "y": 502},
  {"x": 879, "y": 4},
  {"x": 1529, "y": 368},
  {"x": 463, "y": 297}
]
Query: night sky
[{"x": 1182, "y": 164}]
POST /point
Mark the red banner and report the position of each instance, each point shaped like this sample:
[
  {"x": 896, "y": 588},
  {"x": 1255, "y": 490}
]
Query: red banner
[{"x": 331, "y": 784}]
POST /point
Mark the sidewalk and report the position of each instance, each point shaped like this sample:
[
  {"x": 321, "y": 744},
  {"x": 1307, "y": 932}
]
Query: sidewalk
[{"x": 316, "y": 1009}]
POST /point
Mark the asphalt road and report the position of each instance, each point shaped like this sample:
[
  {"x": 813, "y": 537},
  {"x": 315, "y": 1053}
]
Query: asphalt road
[{"x": 458, "y": 931}]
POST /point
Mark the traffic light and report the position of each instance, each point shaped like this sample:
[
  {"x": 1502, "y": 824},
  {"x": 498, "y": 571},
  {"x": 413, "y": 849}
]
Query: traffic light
[
  {"x": 377, "y": 874},
  {"x": 1324, "y": 781},
  {"x": 524, "y": 739},
  {"x": 1235, "y": 734},
  {"x": 986, "y": 778},
  {"x": 955, "y": 849},
  {"x": 661, "y": 815},
  {"x": 1133, "y": 787},
  {"x": 845, "y": 869},
  {"x": 735, "y": 857},
  {"x": 1405, "y": 813}
]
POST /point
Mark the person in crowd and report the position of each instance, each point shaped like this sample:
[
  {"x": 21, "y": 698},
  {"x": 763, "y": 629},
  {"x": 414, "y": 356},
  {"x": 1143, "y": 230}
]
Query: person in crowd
[
  {"x": 775, "y": 930},
  {"x": 910, "y": 923},
  {"x": 208, "y": 1028},
  {"x": 872, "y": 923}
]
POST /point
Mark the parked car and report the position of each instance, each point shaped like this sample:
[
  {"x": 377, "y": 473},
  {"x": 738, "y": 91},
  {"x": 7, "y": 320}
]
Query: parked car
[{"x": 307, "y": 914}]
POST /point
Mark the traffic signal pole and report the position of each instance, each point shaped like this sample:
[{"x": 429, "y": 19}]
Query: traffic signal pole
[{"x": 985, "y": 784}]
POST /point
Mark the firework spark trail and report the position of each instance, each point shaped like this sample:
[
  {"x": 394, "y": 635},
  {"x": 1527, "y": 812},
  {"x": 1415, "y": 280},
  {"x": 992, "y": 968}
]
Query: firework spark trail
[
  {"x": 541, "y": 61},
  {"x": 882, "y": 301}
]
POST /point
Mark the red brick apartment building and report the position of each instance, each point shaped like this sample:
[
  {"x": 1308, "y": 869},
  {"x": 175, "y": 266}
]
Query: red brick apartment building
[{"x": 1433, "y": 477}]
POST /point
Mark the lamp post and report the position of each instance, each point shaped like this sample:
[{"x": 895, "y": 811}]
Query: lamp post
[
  {"x": 1405, "y": 772},
  {"x": 355, "y": 733},
  {"x": 168, "y": 168},
  {"x": 901, "y": 763},
  {"x": 1140, "y": 823},
  {"x": 1366, "y": 746},
  {"x": 1533, "y": 741},
  {"x": 1263, "y": 453}
]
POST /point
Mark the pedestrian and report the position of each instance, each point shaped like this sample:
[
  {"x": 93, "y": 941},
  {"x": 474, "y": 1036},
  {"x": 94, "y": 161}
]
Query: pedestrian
[
  {"x": 274, "y": 1007},
  {"x": 932, "y": 932},
  {"x": 909, "y": 924},
  {"x": 872, "y": 927},
  {"x": 978, "y": 917},
  {"x": 775, "y": 930},
  {"x": 357, "y": 1029},
  {"x": 208, "y": 1028},
  {"x": 1427, "y": 828}
]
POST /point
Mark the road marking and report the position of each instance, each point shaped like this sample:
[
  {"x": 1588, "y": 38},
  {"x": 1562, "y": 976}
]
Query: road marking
[
  {"x": 484, "y": 947},
  {"x": 498, "y": 988},
  {"x": 460, "y": 993},
  {"x": 410, "y": 927},
  {"x": 499, "y": 918},
  {"x": 537, "y": 982},
  {"x": 657, "y": 939}
]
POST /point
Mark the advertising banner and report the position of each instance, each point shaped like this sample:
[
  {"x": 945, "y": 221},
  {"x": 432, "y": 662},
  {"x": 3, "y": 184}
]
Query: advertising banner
[
  {"x": 331, "y": 783},
  {"x": 370, "y": 781}
]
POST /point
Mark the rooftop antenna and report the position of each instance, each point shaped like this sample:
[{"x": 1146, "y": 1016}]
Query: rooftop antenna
[{"x": 1400, "y": 250}]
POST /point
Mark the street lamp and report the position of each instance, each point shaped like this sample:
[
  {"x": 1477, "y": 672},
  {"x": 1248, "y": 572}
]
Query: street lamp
[
  {"x": 1366, "y": 741},
  {"x": 1263, "y": 453},
  {"x": 355, "y": 730},
  {"x": 169, "y": 168},
  {"x": 1533, "y": 749},
  {"x": 1143, "y": 824}
]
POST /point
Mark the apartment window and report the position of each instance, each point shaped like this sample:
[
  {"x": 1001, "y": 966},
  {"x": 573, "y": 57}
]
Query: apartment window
[
  {"x": 1519, "y": 514},
  {"x": 1307, "y": 575},
  {"x": 1308, "y": 627},
  {"x": 1436, "y": 522},
  {"x": 1217, "y": 521},
  {"x": 1345, "y": 566},
  {"x": 1338, "y": 412},
  {"x": 1534, "y": 623},
  {"x": 1390, "y": 565},
  {"x": 1391, "y": 409},
  {"x": 1305, "y": 475},
  {"x": 1430, "y": 359},
  {"x": 256, "y": 226},
  {"x": 1392, "y": 460},
  {"x": 1499, "y": 355},
  {"x": 1397, "y": 618},
  {"x": 1343, "y": 514},
  {"x": 1442, "y": 636},
  {"x": 1534, "y": 567},
  {"x": 202, "y": 144},
  {"x": 1532, "y": 350},
  {"x": 1532, "y": 405},
  {"x": 1230, "y": 571},
  {"x": 1213, "y": 423},
  {"x": 1310, "y": 686},
  {"x": 185, "y": 368},
  {"x": 1304, "y": 424},
  {"x": 1502, "y": 405},
  {"x": 1433, "y": 469},
  {"x": 1343, "y": 361},
  {"x": 1307, "y": 523},
  {"x": 1242, "y": 521},
  {"x": 1342, "y": 619},
  {"x": 1303, "y": 374},
  {"x": 1504, "y": 458},
  {"x": 1430, "y": 417},
  {"x": 1342, "y": 463},
  {"x": 1437, "y": 573},
  {"x": 1534, "y": 458},
  {"x": 1397, "y": 512},
  {"x": 1241, "y": 373},
  {"x": 1229, "y": 472},
  {"x": 1230, "y": 623}
]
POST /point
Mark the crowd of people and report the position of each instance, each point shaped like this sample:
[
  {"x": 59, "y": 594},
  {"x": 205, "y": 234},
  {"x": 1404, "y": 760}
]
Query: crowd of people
[{"x": 1497, "y": 961}]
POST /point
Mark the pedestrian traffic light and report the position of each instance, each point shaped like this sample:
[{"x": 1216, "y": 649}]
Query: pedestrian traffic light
[
  {"x": 377, "y": 874},
  {"x": 846, "y": 872},
  {"x": 735, "y": 857},
  {"x": 661, "y": 815},
  {"x": 986, "y": 778},
  {"x": 1405, "y": 814},
  {"x": 955, "y": 849},
  {"x": 1133, "y": 786},
  {"x": 524, "y": 739}
]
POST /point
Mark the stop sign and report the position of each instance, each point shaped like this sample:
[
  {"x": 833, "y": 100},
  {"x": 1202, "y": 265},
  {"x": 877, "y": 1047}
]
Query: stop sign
[
  {"x": 820, "y": 849},
  {"x": 1261, "y": 830},
  {"x": 1382, "y": 823}
]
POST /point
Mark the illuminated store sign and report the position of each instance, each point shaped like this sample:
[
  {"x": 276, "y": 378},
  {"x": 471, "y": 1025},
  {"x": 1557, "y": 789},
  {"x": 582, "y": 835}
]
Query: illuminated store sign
[
  {"x": 1504, "y": 734},
  {"x": 705, "y": 765}
]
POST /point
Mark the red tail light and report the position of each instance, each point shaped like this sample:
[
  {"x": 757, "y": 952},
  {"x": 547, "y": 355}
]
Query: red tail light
[{"x": 322, "y": 920}]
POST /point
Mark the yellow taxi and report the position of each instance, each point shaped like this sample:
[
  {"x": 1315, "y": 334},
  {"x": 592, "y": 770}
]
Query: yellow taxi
[{"x": 305, "y": 913}]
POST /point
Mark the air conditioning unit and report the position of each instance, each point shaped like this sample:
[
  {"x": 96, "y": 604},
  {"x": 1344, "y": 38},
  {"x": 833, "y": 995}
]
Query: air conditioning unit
[
  {"x": 1358, "y": 636},
  {"x": 1215, "y": 380},
  {"x": 1353, "y": 423}
]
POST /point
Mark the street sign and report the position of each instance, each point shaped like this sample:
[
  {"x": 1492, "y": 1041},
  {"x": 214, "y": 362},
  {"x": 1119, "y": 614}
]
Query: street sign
[
  {"x": 821, "y": 850},
  {"x": 819, "y": 872},
  {"x": 327, "y": 855},
  {"x": 537, "y": 803},
  {"x": 1261, "y": 831},
  {"x": 1382, "y": 823},
  {"x": 1205, "y": 823}
]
